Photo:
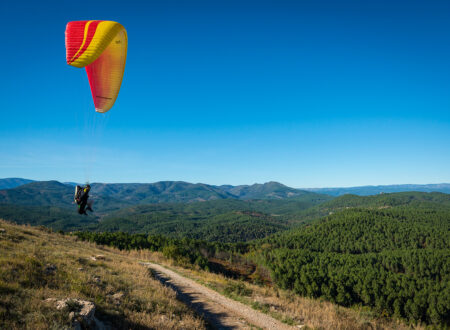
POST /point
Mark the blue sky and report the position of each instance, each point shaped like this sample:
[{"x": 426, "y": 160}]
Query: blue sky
[{"x": 307, "y": 93}]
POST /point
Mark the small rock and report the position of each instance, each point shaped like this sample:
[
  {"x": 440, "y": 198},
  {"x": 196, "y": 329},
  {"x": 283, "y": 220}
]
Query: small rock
[
  {"x": 98, "y": 257},
  {"x": 50, "y": 300},
  {"x": 60, "y": 304},
  {"x": 301, "y": 326},
  {"x": 84, "y": 311},
  {"x": 118, "y": 295},
  {"x": 117, "y": 298},
  {"x": 2, "y": 230},
  {"x": 80, "y": 269},
  {"x": 87, "y": 310}
]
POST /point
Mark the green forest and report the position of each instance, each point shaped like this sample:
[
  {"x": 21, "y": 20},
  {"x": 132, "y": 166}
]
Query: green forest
[{"x": 394, "y": 260}]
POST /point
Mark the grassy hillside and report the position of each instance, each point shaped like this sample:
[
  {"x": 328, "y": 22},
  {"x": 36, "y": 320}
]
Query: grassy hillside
[
  {"x": 37, "y": 268},
  {"x": 281, "y": 303}
]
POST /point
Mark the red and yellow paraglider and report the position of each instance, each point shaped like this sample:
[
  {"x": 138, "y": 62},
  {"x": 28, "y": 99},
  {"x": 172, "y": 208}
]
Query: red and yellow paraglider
[{"x": 101, "y": 48}]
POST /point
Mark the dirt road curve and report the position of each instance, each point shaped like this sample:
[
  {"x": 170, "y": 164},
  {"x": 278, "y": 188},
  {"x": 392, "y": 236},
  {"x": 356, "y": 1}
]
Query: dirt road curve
[{"x": 219, "y": 311}]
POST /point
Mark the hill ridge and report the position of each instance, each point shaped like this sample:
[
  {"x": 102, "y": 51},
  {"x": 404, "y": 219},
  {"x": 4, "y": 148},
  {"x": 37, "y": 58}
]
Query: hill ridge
[{"x": 249, "y": 191}]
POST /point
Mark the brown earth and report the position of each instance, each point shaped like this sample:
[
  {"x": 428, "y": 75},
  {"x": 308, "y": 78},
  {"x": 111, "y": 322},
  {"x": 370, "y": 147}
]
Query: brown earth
[{"x": 219, "y": 311}]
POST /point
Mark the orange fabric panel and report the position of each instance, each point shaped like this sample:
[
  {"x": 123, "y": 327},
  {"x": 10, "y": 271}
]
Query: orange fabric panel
[{"x": 105, "y": 74}]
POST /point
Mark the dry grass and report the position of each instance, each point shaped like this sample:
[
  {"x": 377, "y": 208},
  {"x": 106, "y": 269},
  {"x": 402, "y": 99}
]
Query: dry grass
[
  {"x": 25, "y": 283},
  {"x": 291, "y": 308}
]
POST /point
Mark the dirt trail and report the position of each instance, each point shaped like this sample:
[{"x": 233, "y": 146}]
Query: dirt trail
[{"x": 219, "y": 311}]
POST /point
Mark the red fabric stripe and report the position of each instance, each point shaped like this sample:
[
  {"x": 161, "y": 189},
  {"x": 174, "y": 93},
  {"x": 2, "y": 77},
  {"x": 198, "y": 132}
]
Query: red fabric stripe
[{"x": 74, "y": 38}]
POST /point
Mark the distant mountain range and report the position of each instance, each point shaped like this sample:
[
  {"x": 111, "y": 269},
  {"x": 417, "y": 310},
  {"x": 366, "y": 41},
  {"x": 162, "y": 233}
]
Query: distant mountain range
[
  {"x": 217, "y": 216},
  {"x": 160, "y": 192},
  {"x": 109, "y": 197},
  {"x": 195, "y": 210},
  {"x": 9, "y": 183},
  {"x": 374, "y": 190},
  {"x": 169, "y": 206},
  {"x": 179, "y": 191},
  {"x": 271, "y": 189},
  {"x": 55, "y": 194}
]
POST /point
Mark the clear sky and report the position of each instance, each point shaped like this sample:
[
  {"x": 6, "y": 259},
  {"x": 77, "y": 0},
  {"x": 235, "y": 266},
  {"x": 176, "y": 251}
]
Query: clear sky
[{"x": 307, "y": 93}]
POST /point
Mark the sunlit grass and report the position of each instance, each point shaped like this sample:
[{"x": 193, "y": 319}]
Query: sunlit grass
[
  {"x": 36, "y": 264},
  {"x": 288, "y": 307}
]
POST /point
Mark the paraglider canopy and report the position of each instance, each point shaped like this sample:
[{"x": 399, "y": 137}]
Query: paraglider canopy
[{"x": 100, "y": 47}]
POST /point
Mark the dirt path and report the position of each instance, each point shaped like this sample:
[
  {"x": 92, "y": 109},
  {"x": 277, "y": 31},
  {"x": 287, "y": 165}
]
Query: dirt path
[{"x": 219, "y": 311}]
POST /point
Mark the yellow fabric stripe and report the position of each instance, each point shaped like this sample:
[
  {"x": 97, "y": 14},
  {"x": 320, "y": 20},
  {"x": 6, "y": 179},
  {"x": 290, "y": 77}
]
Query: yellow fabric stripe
[
  {"x": 104, "y": 34},
  {"x": 86, "y": 29}
]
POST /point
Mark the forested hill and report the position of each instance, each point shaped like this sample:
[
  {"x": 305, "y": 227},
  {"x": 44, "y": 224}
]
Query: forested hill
[
  {"x": 179, "y": 191},
  {"x": 54, "y": 194},
  {"x": 108, "y": 196},
  {"x": 381, "y": 201},
  {"x": 358, "y": 231},
  {"x": 226, "y": 220},
  {"x": 160, "y": 192},
  {"x": 374, "y": 190},
  {"x": 233, "y": 220},
  {"x": 396, "y": 260},
  {"x": 255, "y": 191},
  {"x": 56, "y": 218},
  {"x": 39, "y": 193},
  {"x": 390, "y": 200},
  {"x": 123, "y": 194},
  {"x": 271, "y": 189},
  {"x": 9, "y": 183},
  {"x": 122, "y": 207}
]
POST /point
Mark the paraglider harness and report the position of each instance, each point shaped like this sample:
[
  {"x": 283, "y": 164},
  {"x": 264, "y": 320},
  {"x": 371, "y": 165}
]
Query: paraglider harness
[{"x": 81, "y": 198}]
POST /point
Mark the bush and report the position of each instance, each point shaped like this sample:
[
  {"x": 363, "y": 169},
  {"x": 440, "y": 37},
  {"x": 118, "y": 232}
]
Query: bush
[{"x": 239, "y": 289}]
